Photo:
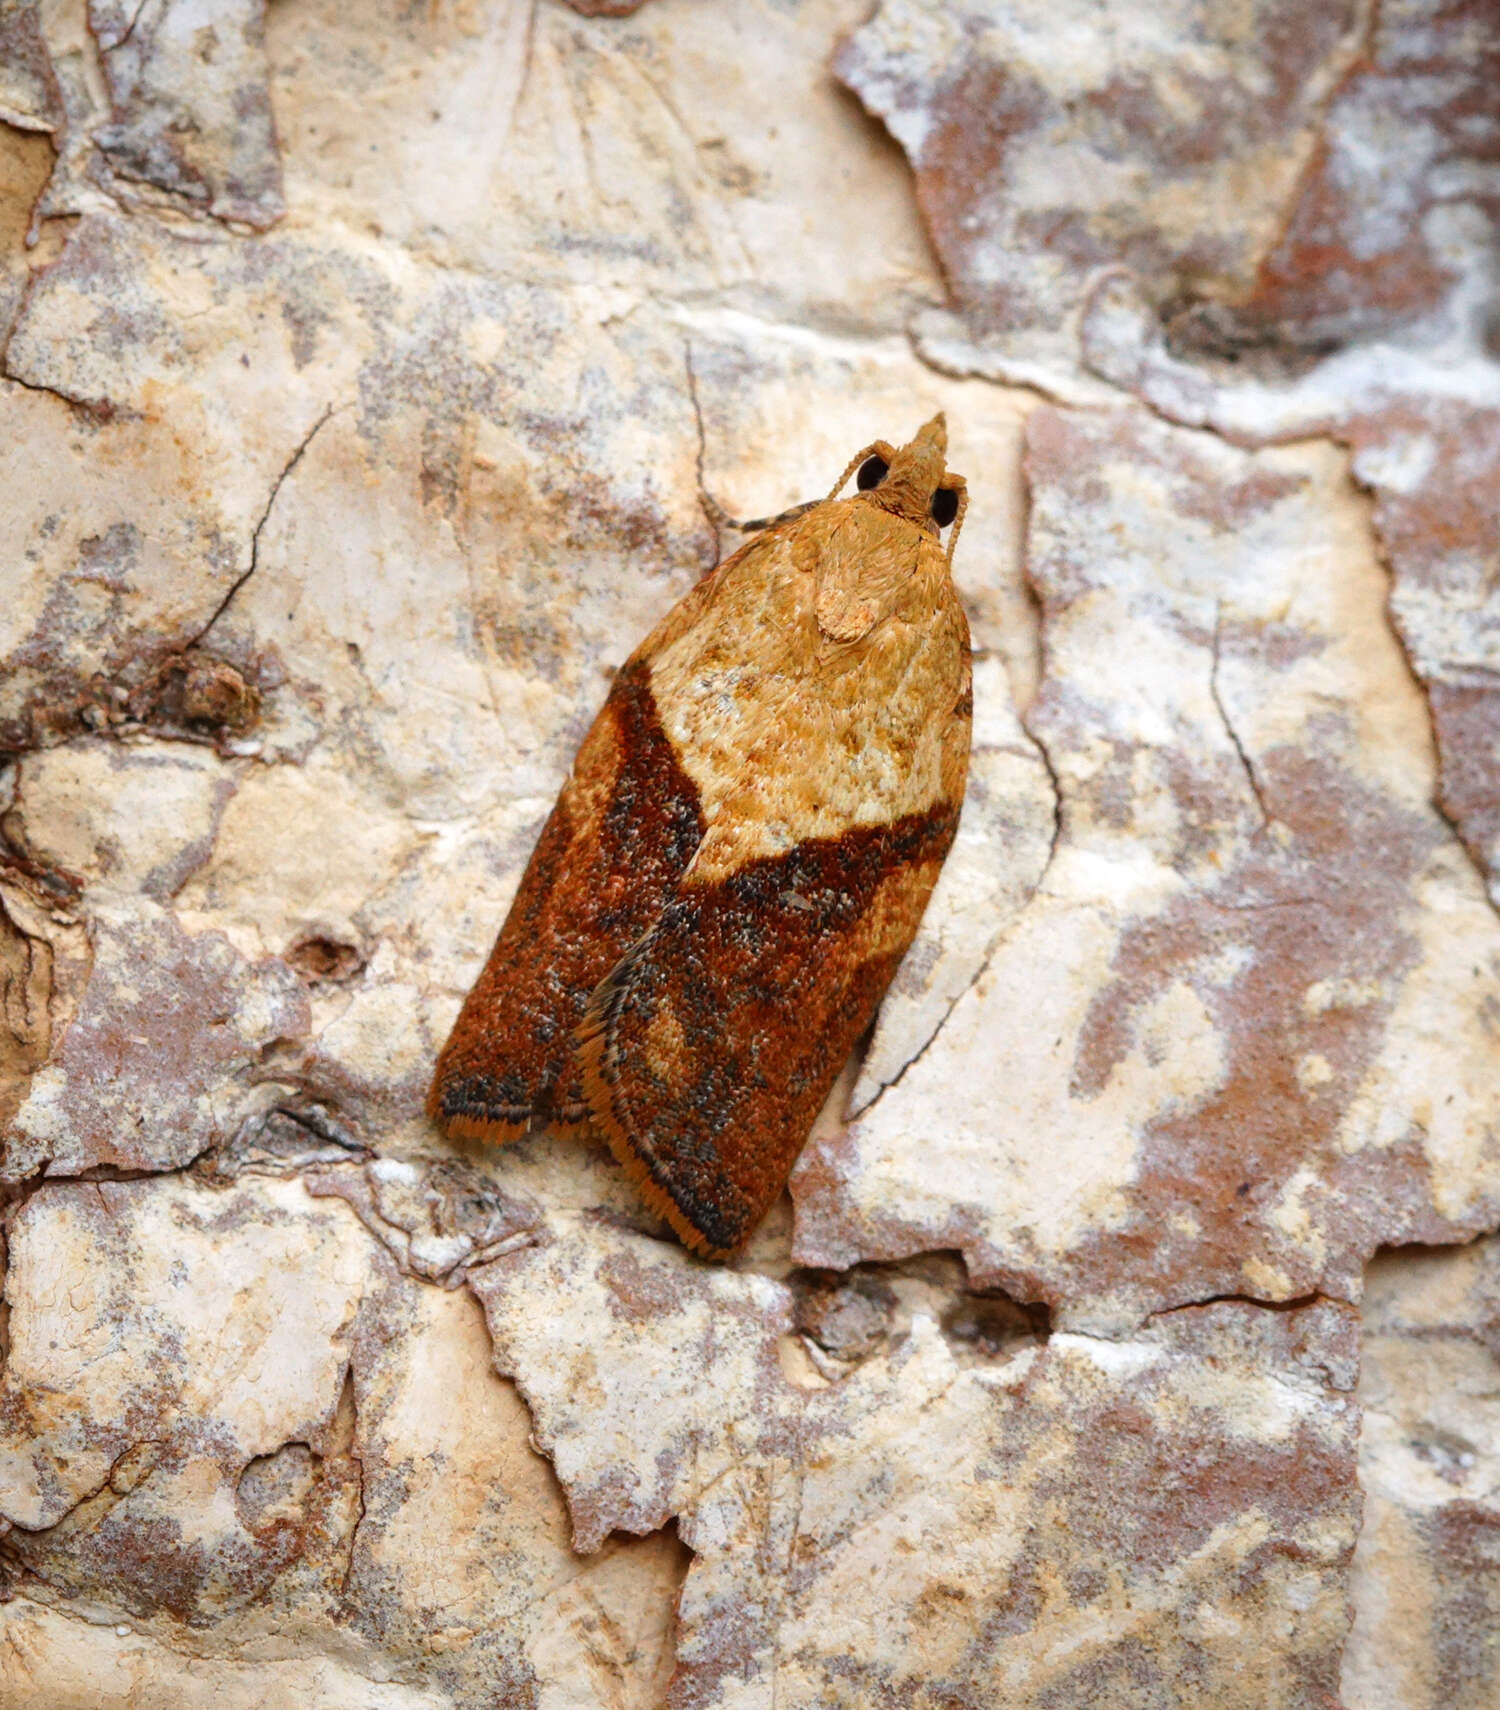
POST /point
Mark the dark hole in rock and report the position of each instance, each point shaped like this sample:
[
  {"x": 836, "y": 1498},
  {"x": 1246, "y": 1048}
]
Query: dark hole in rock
[
  {"x": 847, "y": 1314},
  {"x": 319, "y": 958},
  {"x": 195, "y": 691},
  {"x": 1198, "y": 330},
  {"x": 992, "y": 1326},
  {"x": 276, "y": 1486}
]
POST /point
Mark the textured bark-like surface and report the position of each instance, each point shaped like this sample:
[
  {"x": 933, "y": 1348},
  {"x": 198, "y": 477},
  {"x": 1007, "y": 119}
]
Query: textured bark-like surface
[
  {"x": 323, "y": 536},
  {"x": 1250, "y": 1006},
  {"x": 191, "y": 113},
  {"x": 1427, "y": 1570},
  {"x": 1425, "y": 437},
  {"x": 1432, "y": 467},
  {"x": 1089, "y": 1520},
  {"x": 1396, "y": 202},
  {"x": 159, "y": 1060},
  {"x": 29, "y": 97},
  {"x": 1048, "y": 147},
  {"x": 1371, "y": 319},
  {"x": 241, "y": 1498}
]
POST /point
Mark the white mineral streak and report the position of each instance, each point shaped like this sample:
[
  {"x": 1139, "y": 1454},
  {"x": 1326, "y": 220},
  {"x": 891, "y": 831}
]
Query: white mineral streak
[{"x": 364, "y": 372}]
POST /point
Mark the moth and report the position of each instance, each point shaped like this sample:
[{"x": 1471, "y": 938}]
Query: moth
[{"x": 739, "y": 858}]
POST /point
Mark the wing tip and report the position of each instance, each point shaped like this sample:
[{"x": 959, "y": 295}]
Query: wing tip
[
  {"x": 474, "y": 1122},
  {"x": 591, "y": 1043}
]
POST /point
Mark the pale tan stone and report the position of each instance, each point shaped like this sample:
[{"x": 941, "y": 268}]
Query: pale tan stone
[
  {"x": 1089, "y": 1517},
  {"x": 1253, "y": 988},
  {"x": 1426, "y": 1575},
  {"x": 321, "y": 533}
]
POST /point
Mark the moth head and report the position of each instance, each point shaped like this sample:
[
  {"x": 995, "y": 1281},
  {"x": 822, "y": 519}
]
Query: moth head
[{"x": 913, "y": 481}]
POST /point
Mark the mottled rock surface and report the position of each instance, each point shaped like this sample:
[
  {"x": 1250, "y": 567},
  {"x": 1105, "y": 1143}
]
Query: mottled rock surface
[
  {"x": 1260, "y": 975},
  {"x": 1426, "y": 1575},
  {"x": 370, "y": 380}
]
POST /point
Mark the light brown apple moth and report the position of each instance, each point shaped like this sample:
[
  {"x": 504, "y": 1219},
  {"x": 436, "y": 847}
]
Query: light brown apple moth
[{"x": 739, "y": 858}]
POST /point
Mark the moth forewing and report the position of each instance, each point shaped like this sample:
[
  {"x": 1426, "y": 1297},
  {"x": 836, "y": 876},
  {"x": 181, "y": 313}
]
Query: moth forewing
[{"x": 739, "y": 859}]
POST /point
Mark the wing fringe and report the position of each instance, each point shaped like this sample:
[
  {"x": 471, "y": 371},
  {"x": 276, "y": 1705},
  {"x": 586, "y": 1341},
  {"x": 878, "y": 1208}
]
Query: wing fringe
[
  {"x": 594, "y": 1050},
  {"x": 502, "y": 1124}
]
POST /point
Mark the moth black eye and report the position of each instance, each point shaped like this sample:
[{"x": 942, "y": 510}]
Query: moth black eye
[
  {"x": 944, "y": 506},
  {"x": 871, "y": 473}
]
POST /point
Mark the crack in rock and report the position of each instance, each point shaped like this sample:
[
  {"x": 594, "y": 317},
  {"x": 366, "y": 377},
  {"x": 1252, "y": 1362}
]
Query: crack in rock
[{"x": 244, "y": 576}]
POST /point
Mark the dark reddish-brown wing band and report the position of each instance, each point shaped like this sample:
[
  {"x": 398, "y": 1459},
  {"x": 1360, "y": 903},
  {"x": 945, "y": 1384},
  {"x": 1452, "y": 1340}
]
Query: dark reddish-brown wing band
[
  {"x": 609, "y": 857},
  {"x": 707, "y": 1052}
]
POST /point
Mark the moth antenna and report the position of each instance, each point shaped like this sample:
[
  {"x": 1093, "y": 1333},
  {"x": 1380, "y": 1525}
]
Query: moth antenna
[
  {"x": 758, "y": 525},
  {"x": 718, "y": 517},
  {"x": 876, "y": 448},
  {"x": 958, "y": 520}
]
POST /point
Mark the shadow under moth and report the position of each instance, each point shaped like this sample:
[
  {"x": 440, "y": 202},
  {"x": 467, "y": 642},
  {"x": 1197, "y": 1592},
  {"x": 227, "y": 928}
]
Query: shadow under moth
[{"x": 739, "y": 858}]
